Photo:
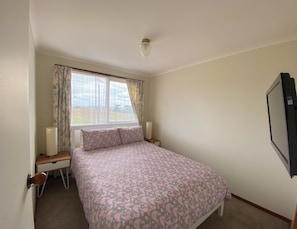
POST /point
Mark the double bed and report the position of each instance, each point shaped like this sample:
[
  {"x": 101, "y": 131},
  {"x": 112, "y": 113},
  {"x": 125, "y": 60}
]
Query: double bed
[{"x": 127, "y": 182}]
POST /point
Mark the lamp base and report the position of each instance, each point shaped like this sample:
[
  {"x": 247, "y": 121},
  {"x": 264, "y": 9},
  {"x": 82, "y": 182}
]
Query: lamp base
[{"x": 51, "y": 154}]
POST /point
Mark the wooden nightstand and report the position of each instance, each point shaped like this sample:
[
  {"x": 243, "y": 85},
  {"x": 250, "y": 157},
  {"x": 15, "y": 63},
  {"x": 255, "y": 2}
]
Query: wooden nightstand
[
  {"x": 154, "y": 141},
  {"x": 45, "y": 164}
]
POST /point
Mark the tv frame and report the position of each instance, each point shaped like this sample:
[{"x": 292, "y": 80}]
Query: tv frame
[{"x": 287, "y": 109}]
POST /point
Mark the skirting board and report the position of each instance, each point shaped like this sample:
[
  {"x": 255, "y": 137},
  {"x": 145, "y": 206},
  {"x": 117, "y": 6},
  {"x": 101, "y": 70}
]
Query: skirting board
[{"x": 262, "y": 209}]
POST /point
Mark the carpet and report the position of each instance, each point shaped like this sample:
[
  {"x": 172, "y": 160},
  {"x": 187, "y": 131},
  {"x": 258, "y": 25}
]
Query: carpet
[{"x": 58, "y": 208}]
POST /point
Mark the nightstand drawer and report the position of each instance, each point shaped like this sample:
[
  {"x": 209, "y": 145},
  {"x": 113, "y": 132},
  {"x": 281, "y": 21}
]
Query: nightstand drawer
[
  {"x": 53, "y": 165},
  {"x": 157, "y": 143}
]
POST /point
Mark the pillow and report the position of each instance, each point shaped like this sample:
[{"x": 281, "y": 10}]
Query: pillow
[
  {"x": 131, "y": 134},
  {"x": 96, "y": 139}
]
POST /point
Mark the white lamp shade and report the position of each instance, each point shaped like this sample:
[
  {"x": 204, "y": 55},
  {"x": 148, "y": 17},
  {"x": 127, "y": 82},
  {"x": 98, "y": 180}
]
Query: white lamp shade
[
  {"x": 51, "y": 141},
  {"x": 148, "y": 130}
]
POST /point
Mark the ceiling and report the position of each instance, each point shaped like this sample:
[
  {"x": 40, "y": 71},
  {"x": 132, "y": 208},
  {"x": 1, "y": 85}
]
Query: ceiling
[{"x": 182, "y": 33}]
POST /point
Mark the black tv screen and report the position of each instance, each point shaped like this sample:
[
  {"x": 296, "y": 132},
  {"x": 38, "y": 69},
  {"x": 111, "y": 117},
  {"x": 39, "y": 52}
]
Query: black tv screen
[{"x": 281, "y": 104}]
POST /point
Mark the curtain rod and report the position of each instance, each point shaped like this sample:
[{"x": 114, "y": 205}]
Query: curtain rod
[{"x": 101, "y": 73}]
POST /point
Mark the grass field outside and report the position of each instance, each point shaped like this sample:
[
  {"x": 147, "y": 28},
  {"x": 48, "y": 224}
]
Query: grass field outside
[{"x": 81, "y": 115}]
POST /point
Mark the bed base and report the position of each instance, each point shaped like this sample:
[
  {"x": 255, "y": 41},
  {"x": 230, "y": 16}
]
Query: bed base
[{"x": 219, "y": 207}]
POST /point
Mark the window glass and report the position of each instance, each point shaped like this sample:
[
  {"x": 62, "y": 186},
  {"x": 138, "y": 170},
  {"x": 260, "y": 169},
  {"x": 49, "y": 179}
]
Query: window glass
[
  {"x": 120, "y": 108},
  {"x": 97, "y": 99}
]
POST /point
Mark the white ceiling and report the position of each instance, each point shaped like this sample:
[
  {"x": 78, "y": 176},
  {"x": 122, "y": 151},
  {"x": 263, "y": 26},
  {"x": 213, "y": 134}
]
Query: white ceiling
[{"x": 183, "y": 32}]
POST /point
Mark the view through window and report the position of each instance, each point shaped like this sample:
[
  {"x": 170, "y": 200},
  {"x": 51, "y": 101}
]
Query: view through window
[{"x": 97, "y": 99}]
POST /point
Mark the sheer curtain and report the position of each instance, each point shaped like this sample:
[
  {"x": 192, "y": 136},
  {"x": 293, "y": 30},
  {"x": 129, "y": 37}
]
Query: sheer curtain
[
  {"x": 88, "y": 98},
  {"x": 136, "y": 94},
  {"x": 62, "y": 105}
]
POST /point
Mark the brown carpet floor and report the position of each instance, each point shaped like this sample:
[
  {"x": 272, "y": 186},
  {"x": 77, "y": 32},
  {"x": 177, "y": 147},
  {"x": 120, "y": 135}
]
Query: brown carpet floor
[{"x": 61, "y": 209}]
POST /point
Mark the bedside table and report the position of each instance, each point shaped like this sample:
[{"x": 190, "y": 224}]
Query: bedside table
[
  {"x": 45, "y": 164},
  {"x": 154, "y": 141}
]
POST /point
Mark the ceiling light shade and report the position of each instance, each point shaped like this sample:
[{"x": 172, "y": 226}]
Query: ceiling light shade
[{"x": 145, "y": 47}]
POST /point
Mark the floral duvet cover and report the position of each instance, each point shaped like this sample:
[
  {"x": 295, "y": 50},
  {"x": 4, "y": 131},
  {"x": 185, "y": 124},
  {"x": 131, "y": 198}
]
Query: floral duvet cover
[{"x": 141, "y": 185}]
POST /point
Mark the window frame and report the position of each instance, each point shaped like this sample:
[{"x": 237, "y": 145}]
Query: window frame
[{"x": 108, "y": 123}]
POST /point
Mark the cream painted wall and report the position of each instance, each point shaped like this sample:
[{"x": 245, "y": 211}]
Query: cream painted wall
[
  {"x": 216, "y": 113},
  {"x": 44, "y": 73},
  {"x": 16, "y": 116}
]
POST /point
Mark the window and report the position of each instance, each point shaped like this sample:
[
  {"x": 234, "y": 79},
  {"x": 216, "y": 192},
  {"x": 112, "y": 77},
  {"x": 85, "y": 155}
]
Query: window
[{"x": 97, "y": 99}]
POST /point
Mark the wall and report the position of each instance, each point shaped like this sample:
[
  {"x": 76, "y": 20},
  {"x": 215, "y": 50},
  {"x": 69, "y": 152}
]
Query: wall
[
  {"x": 216, "y": 113},
  {"x": 44, "y": 73},
  {"x": 16, "y": 120}
]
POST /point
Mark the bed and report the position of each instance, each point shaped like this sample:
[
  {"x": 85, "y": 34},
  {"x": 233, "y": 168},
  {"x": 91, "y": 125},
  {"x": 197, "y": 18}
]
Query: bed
[{"x": 126, "y": 182}]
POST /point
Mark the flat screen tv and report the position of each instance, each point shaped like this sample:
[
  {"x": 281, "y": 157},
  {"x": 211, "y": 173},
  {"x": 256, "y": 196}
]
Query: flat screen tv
[{"x": 281, "y": 104}]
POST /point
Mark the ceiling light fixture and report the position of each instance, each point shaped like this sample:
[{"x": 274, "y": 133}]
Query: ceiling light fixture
[{"x": 145, "y": 47}]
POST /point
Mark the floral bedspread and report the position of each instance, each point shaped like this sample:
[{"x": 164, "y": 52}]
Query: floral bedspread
[{"x": 141, "y": 185}]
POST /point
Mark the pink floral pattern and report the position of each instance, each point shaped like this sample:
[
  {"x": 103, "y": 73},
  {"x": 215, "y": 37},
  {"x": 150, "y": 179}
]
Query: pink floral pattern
[
  {"x": 96, "y": 139},
  {"x": 141, "y": 185},
  {"x": 131, "y": 134}
]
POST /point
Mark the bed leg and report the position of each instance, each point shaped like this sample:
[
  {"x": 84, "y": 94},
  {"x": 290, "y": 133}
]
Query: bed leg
[{"x": 221, "y": 210}]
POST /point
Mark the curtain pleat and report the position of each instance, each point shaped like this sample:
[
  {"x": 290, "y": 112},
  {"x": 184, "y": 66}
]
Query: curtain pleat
[
  {"x": 62, "y": 105},
  {"x": 136, "y": 93}
]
